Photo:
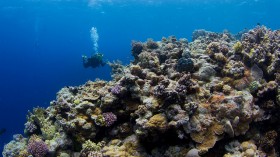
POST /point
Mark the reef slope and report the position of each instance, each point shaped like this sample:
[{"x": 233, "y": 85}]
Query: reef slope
[{"x": 215, "y": 96}]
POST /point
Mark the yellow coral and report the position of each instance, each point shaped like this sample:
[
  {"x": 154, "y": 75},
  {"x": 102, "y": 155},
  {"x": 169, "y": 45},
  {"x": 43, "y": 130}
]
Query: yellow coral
[
  {"x": 251, "y": 52},
  {"x": 220, "y": 57},
  {"x": 48, "y": 130},
  {"x": 227, "y": 89},
  {"x": 158, "y": 121},
  {"x": 208, "y": 138},
  {"x": 77, "y": 101},
  {"x": 100, "y": 120},
  {"x": 23, "y": 153},
  {"x": 91, "y": 146},
  {"x": 127, "y": 149},
  {"x": 212, "y": 48},
  {"x": 97, "y": 111},
  {"x": 208, "y": 142},
  {"x": 218, "y": 129},
  {"x": 242, "y": 128},
  {"x": 136, "y": 70},
  {"x": 249, "y": 153},
  {"x": 237, "y": 47},
  {"x": 198, "y": 137},
  {"x": 248, "y": 145}
]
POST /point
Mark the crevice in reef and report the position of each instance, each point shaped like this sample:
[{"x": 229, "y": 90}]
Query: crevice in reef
[{"x": 162, "y": 140}]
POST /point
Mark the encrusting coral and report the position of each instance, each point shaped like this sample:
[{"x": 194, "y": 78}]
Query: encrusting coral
[{"x": 175, "y": 99}]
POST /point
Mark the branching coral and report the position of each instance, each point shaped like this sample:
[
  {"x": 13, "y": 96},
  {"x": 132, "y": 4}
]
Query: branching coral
[{"x": 90, "y": 149}]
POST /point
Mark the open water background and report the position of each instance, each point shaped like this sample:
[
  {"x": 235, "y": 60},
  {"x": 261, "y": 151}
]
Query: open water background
[{"x": 42, "y": 41}]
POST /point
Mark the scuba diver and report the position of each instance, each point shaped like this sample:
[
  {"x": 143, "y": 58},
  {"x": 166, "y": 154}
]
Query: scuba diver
[{"x": 93, "y": 61}]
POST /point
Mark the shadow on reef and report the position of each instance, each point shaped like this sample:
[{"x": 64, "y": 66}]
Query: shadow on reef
[
  {"x": 215, "y": 96},
  {"x": 160, "y": 140}
]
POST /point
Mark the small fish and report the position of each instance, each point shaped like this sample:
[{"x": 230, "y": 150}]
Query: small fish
[{"x": 2, "y": 131}]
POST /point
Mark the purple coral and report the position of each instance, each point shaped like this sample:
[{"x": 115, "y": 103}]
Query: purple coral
[
  {"x": 116, "y": 90},
  {"x": 37, "y": 147},
  {"x": 110, "y": 118},
  {"x": 181, "y": 89},
  {"x": 159, "y": 90}
]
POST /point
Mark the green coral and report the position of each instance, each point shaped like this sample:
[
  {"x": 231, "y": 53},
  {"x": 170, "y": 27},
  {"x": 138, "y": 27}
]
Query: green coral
[
  {"x": 91, "y": 146},
  {"x": 24, "y": 153},
  {"x": 47, "y": 128},
  {"x": 254, "y": 86},
  {"x": 237, "y": 47},
  {"x": 38, "y": 114},
  {"x": 64, "y": 155},
  {"x": 251, "y": 52},
  {"x": 100, "y": 120},
  {"x": 77, "y": 101},
  {"x": 91, "y": 149}
]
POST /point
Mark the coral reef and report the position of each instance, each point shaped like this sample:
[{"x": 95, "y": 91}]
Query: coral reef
[
  {"x": 117, "y": 69},
  {"x": 16, "y": 147},
  {"x": 215, "y": 96}
]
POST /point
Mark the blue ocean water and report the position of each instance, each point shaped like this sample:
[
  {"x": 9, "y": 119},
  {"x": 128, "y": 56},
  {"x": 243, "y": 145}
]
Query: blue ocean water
[{"x": 42, "y": 41}]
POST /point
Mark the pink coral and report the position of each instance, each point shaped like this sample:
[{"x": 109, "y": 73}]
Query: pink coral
[
  {"x": 37, "y": 147},
  {"x": 110, "y": 118}
]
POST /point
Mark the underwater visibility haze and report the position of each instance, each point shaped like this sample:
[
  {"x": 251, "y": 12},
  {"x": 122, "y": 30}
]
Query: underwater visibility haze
[{"x": 139, "y": 78}]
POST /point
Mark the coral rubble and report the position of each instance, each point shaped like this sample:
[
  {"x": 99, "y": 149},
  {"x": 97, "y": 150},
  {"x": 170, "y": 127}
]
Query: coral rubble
[{"x": 214, "y": 96}]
